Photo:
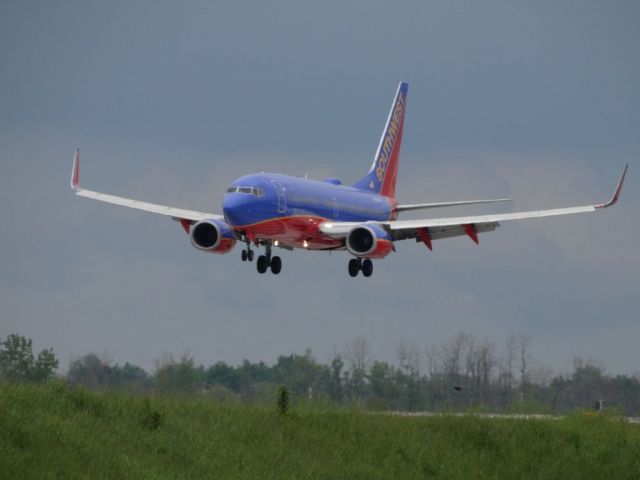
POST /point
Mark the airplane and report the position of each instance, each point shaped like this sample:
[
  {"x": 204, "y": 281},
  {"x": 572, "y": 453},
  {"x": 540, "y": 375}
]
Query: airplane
[{"x": 272, "y": 210}]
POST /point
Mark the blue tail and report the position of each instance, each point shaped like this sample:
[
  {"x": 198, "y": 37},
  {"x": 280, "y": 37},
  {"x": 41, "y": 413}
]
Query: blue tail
[{"x": 382, "y": 176}]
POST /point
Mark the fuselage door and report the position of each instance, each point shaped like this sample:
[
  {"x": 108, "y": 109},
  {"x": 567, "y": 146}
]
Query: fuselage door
[
  {"x": 335, "y": 208},
  {"x": 281, "y": 193}
]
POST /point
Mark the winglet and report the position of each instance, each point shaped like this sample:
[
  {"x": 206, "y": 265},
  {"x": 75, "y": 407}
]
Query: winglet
[
  {"x": 616, "y": 194},
  {"x": 76, "y": 171}
]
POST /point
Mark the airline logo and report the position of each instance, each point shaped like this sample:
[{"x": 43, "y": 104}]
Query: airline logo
[{"x": 386, "y": 147}]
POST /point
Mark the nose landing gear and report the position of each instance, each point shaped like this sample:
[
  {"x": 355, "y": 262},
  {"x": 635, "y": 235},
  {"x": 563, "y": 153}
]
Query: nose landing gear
[{"x": 247, "y": 253}]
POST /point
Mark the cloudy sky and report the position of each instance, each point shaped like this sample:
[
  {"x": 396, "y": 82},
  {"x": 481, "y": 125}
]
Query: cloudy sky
[{"x": 170, "y": 101}]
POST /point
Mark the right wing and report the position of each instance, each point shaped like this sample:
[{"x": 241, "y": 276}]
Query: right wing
[
  {"x": 175, "y": 213},
  {"x": 437, "y": 228},
  {"x": 419, "y": 206},
  {"x": 433, "y": 229}
]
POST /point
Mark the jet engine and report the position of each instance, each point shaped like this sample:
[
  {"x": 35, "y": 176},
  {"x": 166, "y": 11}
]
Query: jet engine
[
  {"x": 212, "y": 235},
  {"x": 369, "y": 241}
]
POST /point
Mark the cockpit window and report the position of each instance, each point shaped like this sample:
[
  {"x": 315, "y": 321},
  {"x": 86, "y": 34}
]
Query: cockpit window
[{"x": 257, "y": 191}]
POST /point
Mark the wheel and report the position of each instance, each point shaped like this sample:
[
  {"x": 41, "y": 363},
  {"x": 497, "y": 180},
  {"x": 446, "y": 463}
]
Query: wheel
[
  {"x": 262, "y": 264},
  {"x": 243, "y": 255},
  {"x": 367, "y": 267},
  {"x": 250, "y": 255},
  {"x": 354, "y": 267},
  {"x": 276, "y": 265}
]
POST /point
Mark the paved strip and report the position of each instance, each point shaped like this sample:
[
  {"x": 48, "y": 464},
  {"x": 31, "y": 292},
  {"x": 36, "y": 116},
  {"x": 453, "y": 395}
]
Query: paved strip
[{"x": 517, "y": 416}]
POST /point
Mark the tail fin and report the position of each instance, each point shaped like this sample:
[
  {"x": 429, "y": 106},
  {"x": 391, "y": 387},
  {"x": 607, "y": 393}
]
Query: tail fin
[{"x": 384, "y": 171}]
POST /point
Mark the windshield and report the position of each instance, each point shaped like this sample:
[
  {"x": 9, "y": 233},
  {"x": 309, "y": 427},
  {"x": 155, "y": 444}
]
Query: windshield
[{"x": 257, "y": 191}]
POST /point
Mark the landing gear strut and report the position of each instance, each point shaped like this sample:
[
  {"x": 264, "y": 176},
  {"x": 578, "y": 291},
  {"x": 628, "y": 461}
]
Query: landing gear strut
[
  {"x": 266, "y": 261},
  {"x": 357, "y": 264}
]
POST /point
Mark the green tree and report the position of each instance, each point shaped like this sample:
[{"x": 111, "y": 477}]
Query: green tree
[
  {"x": 91, "y": 371},
  {"x": 45, "y": 366},
  {"x": 179, "y": 377},
  {"x": 130, "y": 376},
  {"x": 17, "y": 363},
  {"x": 302, "y": 374},
  {"x": 222, "y": 374},
  {"x": 249, "y": 374},
  {"x": 335, "y": 380},
  {"x": 383, "y": 384}
]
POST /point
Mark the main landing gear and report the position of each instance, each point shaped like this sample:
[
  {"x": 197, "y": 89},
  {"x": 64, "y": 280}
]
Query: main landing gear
[
  {"x": 264, "y": 262},
  {"x": 357, "y": 264},
  {"x": 267, "y": 261}
]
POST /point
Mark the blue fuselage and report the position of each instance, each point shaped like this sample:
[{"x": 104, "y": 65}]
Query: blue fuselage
[{"x": 289, "y": 209}]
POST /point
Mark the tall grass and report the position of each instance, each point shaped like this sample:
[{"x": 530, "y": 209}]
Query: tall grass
[{"x": 57, "y": 431}]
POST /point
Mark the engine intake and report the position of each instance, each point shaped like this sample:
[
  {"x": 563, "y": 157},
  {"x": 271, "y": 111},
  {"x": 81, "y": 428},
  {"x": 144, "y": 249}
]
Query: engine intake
[
  {"x": 370, "y": 241},
  {"x": 212, "y": 236},
  {"x": 361, "y": 241}
]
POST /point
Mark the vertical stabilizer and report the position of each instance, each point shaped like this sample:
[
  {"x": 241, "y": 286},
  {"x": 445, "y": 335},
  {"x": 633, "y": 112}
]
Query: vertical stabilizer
[{"x": 382, "y": 176}]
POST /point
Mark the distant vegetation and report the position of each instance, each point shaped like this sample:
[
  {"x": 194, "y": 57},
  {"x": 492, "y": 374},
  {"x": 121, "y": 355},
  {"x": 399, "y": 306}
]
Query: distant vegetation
[
  {"x": 300, "y": 418},
  {"x": 462, "y": 374},
  {"x": 18, "y": 364},
  {"x": 56, "y": 430}
]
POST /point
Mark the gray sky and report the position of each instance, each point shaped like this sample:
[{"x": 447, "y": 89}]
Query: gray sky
[{"x": 170, "y": 101}]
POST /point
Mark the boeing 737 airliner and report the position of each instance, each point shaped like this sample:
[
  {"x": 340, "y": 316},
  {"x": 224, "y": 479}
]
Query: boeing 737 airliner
[{"x": 273, "y": 210}]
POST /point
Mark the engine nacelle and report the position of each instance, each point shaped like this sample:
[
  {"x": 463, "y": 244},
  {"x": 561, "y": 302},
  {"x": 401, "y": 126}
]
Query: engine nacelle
[
  {"x": 212, "y": 235},
  {"x": 369, "y": 241}
]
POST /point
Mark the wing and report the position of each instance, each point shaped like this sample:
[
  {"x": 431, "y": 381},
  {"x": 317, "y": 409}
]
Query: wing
[
  {"x": 434, "y": 229},
  {"x": 437, "y": 228},
  {"x": 419, "y": 206},
  {"x": 174, "y": 213}
]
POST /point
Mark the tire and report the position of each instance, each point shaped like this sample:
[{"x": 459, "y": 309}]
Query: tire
[
  {"x": 367, "y": 267},
  {"x": 243, "y": 255},
  {"x": 354, "y": 267},
  {"x": 276, "y": 265},
  {"x": 250, "y": 255},
  {"x": 262, "y": 264}
]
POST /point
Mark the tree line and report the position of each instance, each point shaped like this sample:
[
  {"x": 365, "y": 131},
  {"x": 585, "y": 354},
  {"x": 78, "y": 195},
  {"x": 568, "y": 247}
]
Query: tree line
[{"x": 460, "y": 374}]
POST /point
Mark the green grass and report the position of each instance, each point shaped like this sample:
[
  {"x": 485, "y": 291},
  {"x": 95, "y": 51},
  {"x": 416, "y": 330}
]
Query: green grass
[{"x": 55, "y": 431}]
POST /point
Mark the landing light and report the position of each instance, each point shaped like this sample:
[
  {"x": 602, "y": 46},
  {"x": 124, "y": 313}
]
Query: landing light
[
  {"x": 275, "y": 243},
  {"x": 305, "y": 244}
]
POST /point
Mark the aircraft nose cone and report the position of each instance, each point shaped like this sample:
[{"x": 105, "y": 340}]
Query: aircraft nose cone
[{"x": 237, "y": 208}]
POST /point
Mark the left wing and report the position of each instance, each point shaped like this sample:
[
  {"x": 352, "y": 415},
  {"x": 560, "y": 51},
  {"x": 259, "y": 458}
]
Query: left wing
[
  {"x": 434, "y": 229},
  {"x": 174, "y": 213}
]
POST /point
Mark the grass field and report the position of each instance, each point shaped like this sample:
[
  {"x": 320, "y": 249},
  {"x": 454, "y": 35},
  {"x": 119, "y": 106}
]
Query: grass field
[{"x": 55, "y": 431}]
